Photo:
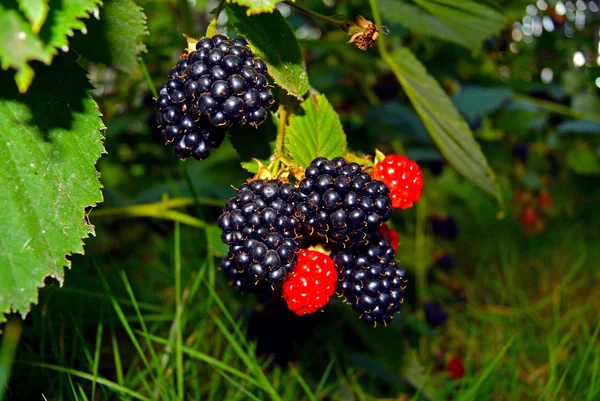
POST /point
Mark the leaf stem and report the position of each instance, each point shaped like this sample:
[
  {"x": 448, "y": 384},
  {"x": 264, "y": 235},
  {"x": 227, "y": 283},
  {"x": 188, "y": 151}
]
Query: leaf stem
[
  {"x": 330, "y": 20},
  {"x": 149, "y": 81},
  {"x": 281, "y": 131}
]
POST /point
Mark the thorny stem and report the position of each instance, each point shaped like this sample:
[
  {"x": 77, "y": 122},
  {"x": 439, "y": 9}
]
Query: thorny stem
[{"x": 330, "y": 20}]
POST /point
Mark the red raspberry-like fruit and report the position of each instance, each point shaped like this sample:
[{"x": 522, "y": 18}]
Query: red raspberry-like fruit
[
  {"x": 312, "y": 282},
  {"x": 456, "y": 369},
  {"x": 403, "y": 177},
  {"x": 390, "y": 234}
]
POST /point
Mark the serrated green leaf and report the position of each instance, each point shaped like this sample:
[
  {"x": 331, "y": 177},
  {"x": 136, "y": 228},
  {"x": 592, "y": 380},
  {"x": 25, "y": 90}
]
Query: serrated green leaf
[
  {"x": 35, "y": 11},
  {"x": 116, "y": 38},
  {"x": 466, "y": 23},
  {"x": 446, "y": 126},
  {"x": 317, "y": 132},
  {"x": 272, "y": 39},
  {"x": 19, "y": 45},
  {"x": 50, "y": 140},
  {"x": 257, "y": 6}
]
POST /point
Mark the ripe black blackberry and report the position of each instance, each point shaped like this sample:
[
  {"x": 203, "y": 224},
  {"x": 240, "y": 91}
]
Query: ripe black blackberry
[
  {"x": 370, "y": 280},
  {"x": 218, "y": 85},
  {"x": 259, "y": 226},
  {"x": 190, "y": 134},
  {"x": 228, "y": 84},
  {"x": 339, "y": 201}
]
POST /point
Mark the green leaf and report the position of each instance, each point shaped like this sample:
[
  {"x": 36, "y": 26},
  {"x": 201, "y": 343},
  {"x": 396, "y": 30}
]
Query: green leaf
[
  {"x": 446, "y": 126},
  {"x": 216, "y": 247},
  {"x": 257, "y": 6},
  {"x": 272, "y": 39},
  {"x": 50, "y": 140},
  {"x": 19, "y": 43},
  {"x": 582, "y": 159},
  {"x": 35, "y": 11},
  {"x": 579, "y": 127},
  {"x": 317, "y": 132},
  {"x": 476, "y": 102},
  {"x": 116, "y": 38},
  {"x": 466, "y": 23}
]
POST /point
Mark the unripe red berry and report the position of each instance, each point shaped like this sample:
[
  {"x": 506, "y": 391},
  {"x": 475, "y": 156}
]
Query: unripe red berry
[
  {"x": 312, "y": 282},
  {"x": 390, "y": 234},
  {"x": 403, "y": 177}
]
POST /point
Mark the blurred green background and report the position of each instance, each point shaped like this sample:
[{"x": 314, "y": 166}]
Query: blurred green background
[{"x": 497, "y": 308}]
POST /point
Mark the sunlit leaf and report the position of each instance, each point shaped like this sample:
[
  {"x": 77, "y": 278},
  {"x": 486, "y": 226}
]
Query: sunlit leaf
[
  {"x": 316, "y": 132},
  {"x": 272, "y": 39},
  {"x": 446, "y": 126},
  {"x": 50, "y": 141}
]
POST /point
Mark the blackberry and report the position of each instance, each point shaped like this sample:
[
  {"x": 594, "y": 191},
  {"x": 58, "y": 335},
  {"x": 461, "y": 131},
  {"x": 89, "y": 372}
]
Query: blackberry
[
  {"x": 190, "y": 134},
  {"x": 435, "y": 313},
  {"x": 218, "y": 85},
  {"x": 259, "y": 226},
  {"x": 444, "y": 227},
  {"x": 340, "y": 201},
  {"x": 229, "y": 85},
  {"x": 370, "y": 280}
]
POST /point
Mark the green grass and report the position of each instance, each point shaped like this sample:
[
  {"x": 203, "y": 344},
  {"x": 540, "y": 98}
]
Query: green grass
[{"x": 159, "y": 323}]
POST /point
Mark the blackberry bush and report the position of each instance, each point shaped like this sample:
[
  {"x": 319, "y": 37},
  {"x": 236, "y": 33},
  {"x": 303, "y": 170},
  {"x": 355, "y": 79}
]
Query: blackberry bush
[
  {"x": 341, "y": 202},
  {"x": 259, "y": 226},
  {"x": 218, "y": 85},
  {"x": 370, "y": 280}
]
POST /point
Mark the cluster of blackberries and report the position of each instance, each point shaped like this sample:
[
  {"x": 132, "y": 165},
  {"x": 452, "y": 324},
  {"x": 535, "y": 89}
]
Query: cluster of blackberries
[
  {"x": 216, "y": 86},
  {"x": 339, "y": 202},
  {"x": 259, "y": 226}
]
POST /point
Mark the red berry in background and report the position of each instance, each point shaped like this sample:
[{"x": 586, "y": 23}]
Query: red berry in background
[
  {"x": 312, "y": 282},
  {"x": 403, "y": 177},
  {"x": 456, "y": 369},
  {"x": 390, "y": 234},
  {"x": 545, "y": 199},
  {"x": 530, "y": 217}
]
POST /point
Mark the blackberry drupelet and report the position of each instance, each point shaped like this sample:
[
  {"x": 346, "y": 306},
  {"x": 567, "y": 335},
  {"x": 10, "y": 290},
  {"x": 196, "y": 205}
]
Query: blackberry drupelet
[
  {"x": 370, "y": 280},
  {"x": 340, "y": 201},
  {"x": 259, "y": 226}
]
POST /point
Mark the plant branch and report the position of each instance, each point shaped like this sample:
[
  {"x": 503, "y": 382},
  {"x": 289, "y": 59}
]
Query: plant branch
[
  {"x": 330, "y": 20},
  {"x": 163, "y": 210},
  {"x": 378, "y": 21},
  {"x": 212, "y": 28}
]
